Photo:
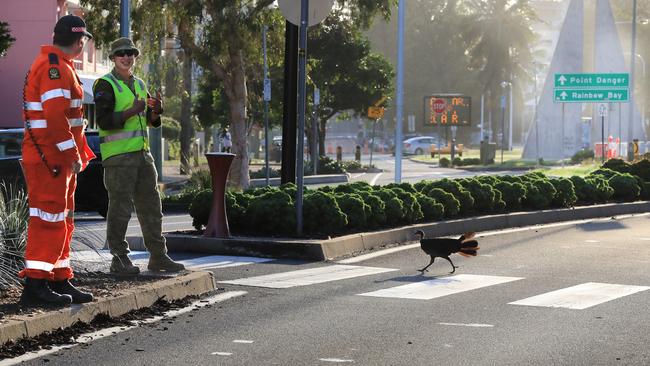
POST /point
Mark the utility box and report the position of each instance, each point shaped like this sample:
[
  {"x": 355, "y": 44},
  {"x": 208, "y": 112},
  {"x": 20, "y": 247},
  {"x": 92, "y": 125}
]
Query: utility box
[{"x": 488, "y": 152}]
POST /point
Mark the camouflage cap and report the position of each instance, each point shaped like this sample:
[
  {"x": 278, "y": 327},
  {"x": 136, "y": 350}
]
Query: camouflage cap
[{"x": 123, "y": 44}]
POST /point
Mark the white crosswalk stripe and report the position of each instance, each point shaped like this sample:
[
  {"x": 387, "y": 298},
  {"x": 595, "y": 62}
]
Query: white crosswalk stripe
[
  {"x": 310, "y": 276},
  {"x": 581, "y": 296},
  {"x": 439, "y": 287},
  {"x": 142, "y": 258}
]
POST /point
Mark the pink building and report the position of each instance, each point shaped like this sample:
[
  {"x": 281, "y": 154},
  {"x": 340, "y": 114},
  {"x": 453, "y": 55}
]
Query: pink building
[{"x": 31, "y": 23}]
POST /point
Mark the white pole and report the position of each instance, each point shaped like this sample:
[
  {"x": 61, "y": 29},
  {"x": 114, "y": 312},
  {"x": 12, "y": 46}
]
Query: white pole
[
  {"x": 482, "y": 116},
  {"x": 510, "y": 114},
  {"x": 400, "y": 90}
]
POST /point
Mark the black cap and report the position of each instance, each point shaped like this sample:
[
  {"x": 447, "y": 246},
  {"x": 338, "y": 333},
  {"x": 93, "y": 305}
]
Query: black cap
[{"x": 70, "y": 25}]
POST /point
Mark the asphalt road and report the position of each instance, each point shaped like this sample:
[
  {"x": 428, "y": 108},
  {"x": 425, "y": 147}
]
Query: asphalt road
[{"x": 489, "y": 312}]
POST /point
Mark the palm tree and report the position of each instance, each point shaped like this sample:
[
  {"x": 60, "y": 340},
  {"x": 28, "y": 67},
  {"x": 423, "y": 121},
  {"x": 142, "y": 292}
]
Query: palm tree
[{"x": 498, "y": 44}]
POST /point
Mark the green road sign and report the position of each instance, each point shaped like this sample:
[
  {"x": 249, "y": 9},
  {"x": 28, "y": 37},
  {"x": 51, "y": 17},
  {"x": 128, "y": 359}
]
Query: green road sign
[
  {"x": 621, "y": 80},
  {"x": 586, "y": 95}
]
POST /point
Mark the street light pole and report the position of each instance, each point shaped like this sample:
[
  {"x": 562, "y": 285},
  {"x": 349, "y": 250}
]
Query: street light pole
[
  {"x": 124, "y": 19},
  {"x": 630, "y": 154},
  {"x": 400, "y": 90},
  {"x": 535, "y": 118}
]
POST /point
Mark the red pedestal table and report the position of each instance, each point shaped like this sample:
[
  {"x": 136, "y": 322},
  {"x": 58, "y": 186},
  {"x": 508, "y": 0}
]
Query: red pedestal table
[{"x": 219, "y": 164}]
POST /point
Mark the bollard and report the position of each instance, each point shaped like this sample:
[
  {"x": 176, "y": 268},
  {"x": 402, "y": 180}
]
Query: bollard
[
  {"x": 339, "y": 154},
  {"x": 219, "y": 164},
  {"x": 452, "y": 150},
  {"x": 357, "y": 153},
  {"x": 630, "y": 151}
]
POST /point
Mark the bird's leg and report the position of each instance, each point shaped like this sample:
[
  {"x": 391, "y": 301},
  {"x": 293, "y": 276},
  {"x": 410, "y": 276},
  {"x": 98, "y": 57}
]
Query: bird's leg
[
  {"x": 452, "y": 264},
  {"x": 430, "y": 263}
]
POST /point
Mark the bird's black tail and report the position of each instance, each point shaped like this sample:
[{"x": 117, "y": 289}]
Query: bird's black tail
[{"x": 468, "y": 246}]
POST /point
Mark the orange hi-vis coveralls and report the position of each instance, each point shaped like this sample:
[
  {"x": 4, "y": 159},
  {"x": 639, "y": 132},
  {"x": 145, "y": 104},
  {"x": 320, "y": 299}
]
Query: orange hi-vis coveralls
[{"x": 53, "y": 112}]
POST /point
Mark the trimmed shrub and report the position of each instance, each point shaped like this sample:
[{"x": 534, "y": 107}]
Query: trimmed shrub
[
  {"x": 272, "y": 213},
  {"x": 539, "y": 192},
  {"x": 326, "y": 165},
  {"x": 593, "y": 189},
  {"x": 451, "y": 206},
  {"x": 444, "y": 163},
  {"x": 485, "y": 199},
  {"x": 404, "y": 186},
  {"x": 394, "y": 207},
  {"x": 200, "y": 207},
  {"x": 354, "y": 209},
  {"x": 625, "y": 187},
  {"x": 377, "y": 216},
  {"x": 512, "y": 194},
  {"x": 641, "y": 169},
  {"x": 457, "y": 161},
  {"x": 431, "y": 209},
  {"x": 581, "y": 156},
  {"x": 261, "y": 174},
  {"x": 454, "y": 187},
  {"x": 617, "y": 165},
  {"x": 322, "y": 214},
  {"x": 412, "y": 210},
  {"x": 565, "y": 195}
]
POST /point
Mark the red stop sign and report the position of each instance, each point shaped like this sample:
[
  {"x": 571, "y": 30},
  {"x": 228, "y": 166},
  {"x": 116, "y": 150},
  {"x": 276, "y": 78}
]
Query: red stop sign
[{"x": 439, "y": 105}]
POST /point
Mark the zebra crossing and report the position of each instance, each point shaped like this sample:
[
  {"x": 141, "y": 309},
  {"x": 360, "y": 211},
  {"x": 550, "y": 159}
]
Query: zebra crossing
[{"x": 577, "y": 297}]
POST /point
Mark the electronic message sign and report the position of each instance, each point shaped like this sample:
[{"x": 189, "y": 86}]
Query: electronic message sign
[{"x": 448, "y": 110}]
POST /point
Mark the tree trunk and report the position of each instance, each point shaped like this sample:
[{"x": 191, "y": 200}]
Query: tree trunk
[
  {"x": 238, "y": 96},
  {"x": 321, "y": 137},
  {"x": 187, "y": 130}
]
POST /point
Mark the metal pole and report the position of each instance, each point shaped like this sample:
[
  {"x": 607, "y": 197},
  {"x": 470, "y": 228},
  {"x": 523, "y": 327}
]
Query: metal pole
[
  {"x": 266, "y": 107},
  {"x": 562, "y": 142},
  {"x": 482, "y": 119},
  {"x": 510, "y": 115},
  {"x": 602, "y": 138},
  {"x": 124, "y": 19},
  {"x": 503, "y": 124},
  {"x": 372, "y": 142},
  {"x": 315, "y": 156},
  {"x": 302, "y": 65},
  {"x": 400, "y": 90},
  {"x": 535, "y": 121},
  {"x": 632, "y": 64}
]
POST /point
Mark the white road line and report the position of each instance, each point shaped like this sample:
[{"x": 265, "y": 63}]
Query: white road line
[
  {"x": 306, "y": 277},
  {"x": 475, "y": 325},
  {"x": 439, "y": 287},
  {"x": 336, "y": 360},
  {"x": 592, "y": 241},
  {"x": 581, "y": 296},
  {"x": 88, "y": 337},
  {"x": 222, "y": 353},
  {"x": 364, "y": 257},
  {"x": 373, "y": 181},
  {"x": 379, "y": 253},
  {"x": 358, "y": 175},
  {"x": 245, "y": 341}
]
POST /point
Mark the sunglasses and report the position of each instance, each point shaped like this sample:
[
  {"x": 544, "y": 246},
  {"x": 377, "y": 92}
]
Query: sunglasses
[{"x": 122, "y": 53}]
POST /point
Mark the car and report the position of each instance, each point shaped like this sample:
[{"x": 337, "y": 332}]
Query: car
[
  {"x": 90, "y": 194},
  {"x": 418, "y": 145}
]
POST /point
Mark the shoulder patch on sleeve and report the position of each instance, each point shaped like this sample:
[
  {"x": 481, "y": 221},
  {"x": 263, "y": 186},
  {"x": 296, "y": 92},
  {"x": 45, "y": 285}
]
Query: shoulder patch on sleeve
[
  {"x": 54, "y": 73},
  {"x": 54, "y": 59}
]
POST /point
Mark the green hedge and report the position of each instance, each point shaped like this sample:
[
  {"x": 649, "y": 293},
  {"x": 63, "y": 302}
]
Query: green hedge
[{"x": 358, "y": 207}]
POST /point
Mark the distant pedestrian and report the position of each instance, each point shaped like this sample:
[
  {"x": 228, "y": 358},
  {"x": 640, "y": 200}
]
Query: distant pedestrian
[
  {"x": 54, "y": 151},
  {"x": 124, "y": 111},
  {"x": 226, "y": 140}
]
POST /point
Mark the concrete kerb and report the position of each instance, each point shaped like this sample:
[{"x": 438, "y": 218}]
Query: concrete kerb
[
  {"x": 192, "y": 283},
  {"x": 309, "y": 179},
  {"x": 328, "y": 249}
]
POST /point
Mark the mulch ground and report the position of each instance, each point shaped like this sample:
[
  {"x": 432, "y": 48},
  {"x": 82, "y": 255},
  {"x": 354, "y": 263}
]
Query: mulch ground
[{"x": 101, "y": 285}]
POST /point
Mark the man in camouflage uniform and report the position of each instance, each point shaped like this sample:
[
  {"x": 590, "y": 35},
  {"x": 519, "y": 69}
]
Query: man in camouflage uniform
[{"x": 124, "y": 110}]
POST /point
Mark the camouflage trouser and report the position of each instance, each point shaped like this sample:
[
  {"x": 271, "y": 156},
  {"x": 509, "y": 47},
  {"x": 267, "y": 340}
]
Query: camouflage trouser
[{"x": 130, "y": 179}]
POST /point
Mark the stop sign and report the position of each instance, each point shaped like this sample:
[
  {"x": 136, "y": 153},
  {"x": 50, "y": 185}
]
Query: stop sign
[{"x": 439, "y": 105}]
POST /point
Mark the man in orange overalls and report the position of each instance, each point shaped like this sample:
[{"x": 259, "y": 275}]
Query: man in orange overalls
[{"x": 54, "y": 151}]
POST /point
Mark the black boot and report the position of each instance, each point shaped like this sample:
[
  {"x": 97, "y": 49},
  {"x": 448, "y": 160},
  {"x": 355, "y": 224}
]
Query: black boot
[
  {"x": 65, "y": 288},
  {"x": 37, "y": 292}
]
